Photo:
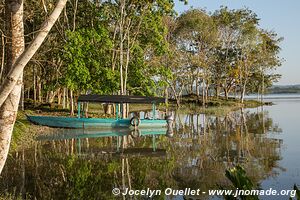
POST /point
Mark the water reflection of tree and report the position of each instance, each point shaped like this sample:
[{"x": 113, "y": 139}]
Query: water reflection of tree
[
  {"x": 197, "y": 156},
  {"x": 221, "y": 142},
  {"x": 62, "y": 170}
]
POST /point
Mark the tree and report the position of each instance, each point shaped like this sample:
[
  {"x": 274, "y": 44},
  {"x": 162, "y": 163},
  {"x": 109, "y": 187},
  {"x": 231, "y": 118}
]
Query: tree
[
  {"x": 197, "y": 34},
  {"x": 10, "y": 89},
  {"x": 87, "y": 55},
  {"x": 8, "y": 110}
]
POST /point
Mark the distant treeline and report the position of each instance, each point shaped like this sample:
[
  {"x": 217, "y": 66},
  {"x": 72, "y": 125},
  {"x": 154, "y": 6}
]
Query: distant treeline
[{"x": 284, "y": 89}]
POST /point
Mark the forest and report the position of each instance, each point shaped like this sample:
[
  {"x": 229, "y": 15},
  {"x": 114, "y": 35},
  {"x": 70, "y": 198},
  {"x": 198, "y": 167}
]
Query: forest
[
  {"x": 127, "y": 47},
  {"x": 144, "y": 48}
]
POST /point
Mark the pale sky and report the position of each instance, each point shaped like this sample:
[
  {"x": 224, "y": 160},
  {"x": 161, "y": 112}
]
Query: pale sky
[{"x": 281, "y": 16}]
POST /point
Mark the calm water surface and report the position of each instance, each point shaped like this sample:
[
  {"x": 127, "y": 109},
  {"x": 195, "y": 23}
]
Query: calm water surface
[
  {"x": 286, "y": 114},
  {"x": 75, "y": 165}
]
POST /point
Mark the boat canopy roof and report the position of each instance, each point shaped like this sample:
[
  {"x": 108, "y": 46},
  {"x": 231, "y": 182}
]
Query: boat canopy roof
[{"x": 119, "y": 99}]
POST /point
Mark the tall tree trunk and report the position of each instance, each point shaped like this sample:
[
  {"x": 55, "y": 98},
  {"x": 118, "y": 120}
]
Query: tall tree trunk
[
  {"x": 206, "y": 92},
  {"x": 203, "y": 92},
  {"x": 39, "y": 89},
  {"x": 59, "y": 94},
  {"x": 64, "y": 98},
  {"x": 10, "y": 89},
  {"x": 166, "y": 95},
  {"x": 226, "y": 93},
  {"x": 243, "y": 90},
  {"x": 67, "y": 98},
  {"x": 121, "y": 46},
  {"x": 2, "y": 56},
  {"x": 192, "y": 87},
  {"x": 197, "y": 87},
  {"x": 52, "y": 95},
  {"x": 22, "y": 96},
  {"x": 34, "y": 85},
  {"x": 9, "y": 108},
  {"x": 71, "y": 103}
]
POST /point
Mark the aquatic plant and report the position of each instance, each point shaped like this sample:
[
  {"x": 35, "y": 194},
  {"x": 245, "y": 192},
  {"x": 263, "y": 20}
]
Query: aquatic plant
[
  {"x": 297, "y": 192},
  {"x": 238, "y": 177}
]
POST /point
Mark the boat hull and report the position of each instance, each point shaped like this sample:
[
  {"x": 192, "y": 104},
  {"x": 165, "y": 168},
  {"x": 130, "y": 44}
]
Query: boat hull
[{"x": 69, "y": 122}]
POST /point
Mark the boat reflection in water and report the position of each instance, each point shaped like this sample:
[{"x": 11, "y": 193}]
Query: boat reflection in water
[{"x": 120, "y": 140}]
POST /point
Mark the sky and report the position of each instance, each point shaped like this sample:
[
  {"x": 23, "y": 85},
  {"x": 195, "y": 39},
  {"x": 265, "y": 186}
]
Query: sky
[{"x": 281, "y": 16}]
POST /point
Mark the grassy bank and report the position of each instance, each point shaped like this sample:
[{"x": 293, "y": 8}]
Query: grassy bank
[{"x": 216, "y": 106}]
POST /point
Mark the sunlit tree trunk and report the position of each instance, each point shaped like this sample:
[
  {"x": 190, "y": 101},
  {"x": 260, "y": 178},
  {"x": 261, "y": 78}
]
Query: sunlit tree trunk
[
  {"x": 10, "y": 89},
  {"x": 34, "y": 85},
  {"x": 166, "y": 95},
  {"x": 8, "y": 110},
  {"x": 243, "y": 91},
  {"x": 64, "y": 98},
  {"x": 39, "y": 89},
  {"x": 2, "y": 56},
  {"x": 71, "y": 103},
  {"x": 22, "y": 97},
  {"x": 59, "y": 94},
  {"x": 203, "y": 92}
]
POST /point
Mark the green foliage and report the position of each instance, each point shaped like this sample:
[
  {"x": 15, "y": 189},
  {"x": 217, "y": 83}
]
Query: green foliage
[
  {"x": 224, "y": 51},
  {"x": 88, "y": 62},
  {"x": 238, "y": 177},
  {"x": 140, "y": 76},
  {"x": 297, "y": 192}
]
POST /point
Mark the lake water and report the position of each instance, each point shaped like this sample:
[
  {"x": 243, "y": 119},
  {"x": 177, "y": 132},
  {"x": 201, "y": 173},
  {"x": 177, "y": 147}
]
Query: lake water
[{"x": 75, "y": 165}]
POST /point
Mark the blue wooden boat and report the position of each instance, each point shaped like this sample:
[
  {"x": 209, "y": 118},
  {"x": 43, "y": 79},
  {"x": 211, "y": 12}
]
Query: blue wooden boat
[
  {"x": 81, "y": 122},
  {"x": 72, "y": 122}
]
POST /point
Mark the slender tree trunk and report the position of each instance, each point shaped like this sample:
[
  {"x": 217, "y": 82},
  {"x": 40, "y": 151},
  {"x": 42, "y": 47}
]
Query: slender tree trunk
[
  {"x": 22, "y": 97},
  {"x": 34, "y": 85},
  {"x": 166, "y": 95},
  {"x": 9, "y": 108},
  {"x": 39, "y": 89},
  {"x": 121, "y": 46},
  {"x": 206, "y": 92},
  {"x": 64, "y": 98},
  {"x": 3, "y": 56},
  {"x": 47, "y": 97},
  {"x": 86, "y": 110},
  {"x": 243, "y": 90},
  {"x": 203, "y": 93},
  {"x": 67, "y": 96},
  {"x": 28, "y": 93},
  {"x": 52, "y": 95},
  {"x": 197, "y": 87},
  {"x": 263, "y": 87},
  {"x": 217, "y": 89},
  {"x": 59, "y": 94},
  {"x": 226, "y": 93},
  {"x": 74, "y": 14},
  {"x": 71, "y": 103},
  {"x": 192, "y": 87}
]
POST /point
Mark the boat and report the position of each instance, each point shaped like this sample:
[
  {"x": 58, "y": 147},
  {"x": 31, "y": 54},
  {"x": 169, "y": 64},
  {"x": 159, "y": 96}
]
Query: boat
[{"x": 82, "y": 122}]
